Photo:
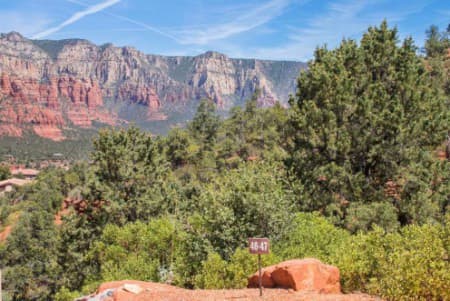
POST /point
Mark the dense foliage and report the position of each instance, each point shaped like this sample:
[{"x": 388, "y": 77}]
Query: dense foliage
[
  {"x": 5, "y": 173},
  {"x": 348, "y": 174},
  {"x": 367, "y": 116}
]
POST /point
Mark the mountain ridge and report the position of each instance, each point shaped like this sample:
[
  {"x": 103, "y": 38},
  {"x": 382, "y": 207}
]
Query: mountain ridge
[{"x": 49, "y": 85}]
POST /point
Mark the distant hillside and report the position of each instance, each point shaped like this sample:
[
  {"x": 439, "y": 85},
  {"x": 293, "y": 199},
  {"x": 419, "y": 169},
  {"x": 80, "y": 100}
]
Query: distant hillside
[{"x": 51, "y": 88}]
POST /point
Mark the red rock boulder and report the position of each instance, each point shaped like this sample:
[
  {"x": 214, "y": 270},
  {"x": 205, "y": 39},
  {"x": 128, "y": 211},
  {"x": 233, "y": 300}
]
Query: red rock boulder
[{"x": 301, "y": 275}]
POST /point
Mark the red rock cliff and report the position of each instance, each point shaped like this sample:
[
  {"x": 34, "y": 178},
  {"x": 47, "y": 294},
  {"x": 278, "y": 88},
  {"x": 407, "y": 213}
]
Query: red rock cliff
[{"x": 75, "y": 79}]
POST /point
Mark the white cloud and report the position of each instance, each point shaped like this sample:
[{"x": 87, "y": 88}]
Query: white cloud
[
  {"x": 133, "y": 21},
  {"x": 20, "y": 22},
  {"x": 206, "y": 33},
  {"x": 145, "y": 26},
  {"x": 77, "y": 16},
  {"x": 345, "y": 18},
  {"x": 255, "y": 17}
]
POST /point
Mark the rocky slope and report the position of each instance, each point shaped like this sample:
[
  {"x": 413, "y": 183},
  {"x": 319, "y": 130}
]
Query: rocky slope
[{"x": 48, "y": 86}]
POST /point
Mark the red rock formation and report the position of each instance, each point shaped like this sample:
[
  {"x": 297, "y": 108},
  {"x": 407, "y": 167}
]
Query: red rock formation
[
  {"x": 5, "y": 84},
  {"x": 75, "y": 81},
  {"x": 94, "y": 96},
  {"x": 31, "y": 114},
  {"x": 37, "y": 104},
  {"x": 49, "y": 94},
  {"x": 81, "y": 91},
  {"x": 44, "y": 121},
  {"x": 141, "y": 94},
  {"x": 301, "y": 275},
  {"x": 49, "y": 132},
  {"x": 10, "y": 130},
  {"x": 30, "y": 90},
  {"x": 79, "y": 116},
  {"x": 9, "y": 123}
]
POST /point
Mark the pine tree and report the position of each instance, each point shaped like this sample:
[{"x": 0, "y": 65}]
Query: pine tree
[{"x": 363, "y": 114}]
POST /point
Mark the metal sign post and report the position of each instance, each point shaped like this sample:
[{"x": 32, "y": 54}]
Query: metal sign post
[
  {"x": 260, "y": 276},
  {"x": 258, "y": 246}
]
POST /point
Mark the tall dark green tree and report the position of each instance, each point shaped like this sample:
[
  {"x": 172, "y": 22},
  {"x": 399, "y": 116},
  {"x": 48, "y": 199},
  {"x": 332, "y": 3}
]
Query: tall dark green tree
[
  {"x": 364, "y": 115},
  {"x": 204, "y": 129},
  {"x": 205, "y": 124},
  {"x": 437, "y": 47},
  {"x": 254, "y": 133},
  {"x": 437, "y": 43},
  {"x": 5, "y": 173},
  {"x": 29, "y": 257},
  {"x": 129, "y": 173}
]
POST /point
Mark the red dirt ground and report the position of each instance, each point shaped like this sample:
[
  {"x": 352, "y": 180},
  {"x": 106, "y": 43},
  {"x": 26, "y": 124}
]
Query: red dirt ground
[
  {"x": 249, "y": 295},
  {"x": 164, "y": 292},
  {"x": 5, "y": 233}
]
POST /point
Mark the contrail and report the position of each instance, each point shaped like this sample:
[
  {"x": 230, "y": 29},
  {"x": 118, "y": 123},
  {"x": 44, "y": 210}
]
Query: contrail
[
  {"x": 143, "y": 25},
  {"x": 77, "y": 16}
]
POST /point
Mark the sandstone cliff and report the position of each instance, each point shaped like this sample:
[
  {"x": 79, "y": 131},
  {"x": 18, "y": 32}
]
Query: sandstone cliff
[{"x": 47, "y": 86}]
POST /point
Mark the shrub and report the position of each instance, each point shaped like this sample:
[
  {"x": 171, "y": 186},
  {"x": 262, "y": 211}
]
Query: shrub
[
  {"x": 217, "y": 273},
  {"x": 311, "y": 236},
  {"x": 411, "y": 263}
]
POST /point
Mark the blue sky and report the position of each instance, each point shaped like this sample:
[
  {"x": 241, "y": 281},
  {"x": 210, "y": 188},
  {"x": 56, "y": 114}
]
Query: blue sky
[{"x": 267, "y": 29}]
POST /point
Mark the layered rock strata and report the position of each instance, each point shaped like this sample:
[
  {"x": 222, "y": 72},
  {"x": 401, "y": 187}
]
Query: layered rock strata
[{"x": 48, "y": 85}]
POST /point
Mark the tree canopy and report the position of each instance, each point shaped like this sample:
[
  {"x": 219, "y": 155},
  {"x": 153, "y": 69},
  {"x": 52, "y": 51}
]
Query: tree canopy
[{"x": 366, "y": 117}]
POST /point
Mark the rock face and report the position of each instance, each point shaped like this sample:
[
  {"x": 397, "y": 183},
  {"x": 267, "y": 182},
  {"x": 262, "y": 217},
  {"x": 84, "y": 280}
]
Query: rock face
[
  {"x": 29, "y": 101},
  {"x": 300, "y": 275},
  {"x": 48, "y": 85}
]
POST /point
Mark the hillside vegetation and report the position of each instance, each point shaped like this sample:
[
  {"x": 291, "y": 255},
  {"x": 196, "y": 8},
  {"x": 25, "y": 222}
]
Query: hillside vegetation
[{"x": 348, "y": 174}]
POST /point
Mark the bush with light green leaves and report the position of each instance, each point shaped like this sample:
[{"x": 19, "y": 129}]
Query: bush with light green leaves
[
  {"x": 217, "y": 273},
  {"x": 410, "y": 264}
]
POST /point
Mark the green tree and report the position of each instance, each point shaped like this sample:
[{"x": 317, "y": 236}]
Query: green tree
[
  {"x": 139, "y": 251},
  {"x": 77, "y": 235},
  {"x": 204, "y": 129},
  {"x": 253, "y": 133},
  {"x": 205, "y": 124},
  {"x": 311, "y": 235},
  {"x": 180, "y": 149},
  {"x": 436, "y": 50},
  {"x": 29, "y": 257},
  {"x": 249, "y": 201},
  {"x": 436, "y": 43},
  {"x": 129, "y": 173},
  {"x": 5, "y": 173},
  {"x": 362, "y": 115}
]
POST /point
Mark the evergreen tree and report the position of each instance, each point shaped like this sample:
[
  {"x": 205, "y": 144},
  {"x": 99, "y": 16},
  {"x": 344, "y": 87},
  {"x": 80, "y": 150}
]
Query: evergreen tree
[
  {"x": 30, "y": 257},
  {"x": 204, "y": 129},
  {"x": 437, "y": 47},
  {"x": 364, "y": 115},
  {"x": 205, "y": 124},
  {"x": 437, "y": 43},
  {"x": 5, "y": 173},
  {"x": 129, "y": 173}
]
